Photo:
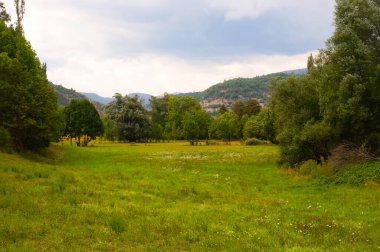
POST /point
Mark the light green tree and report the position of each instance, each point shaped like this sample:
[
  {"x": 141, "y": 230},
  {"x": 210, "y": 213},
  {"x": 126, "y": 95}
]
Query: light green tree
[{"x": 226, "y": 127}]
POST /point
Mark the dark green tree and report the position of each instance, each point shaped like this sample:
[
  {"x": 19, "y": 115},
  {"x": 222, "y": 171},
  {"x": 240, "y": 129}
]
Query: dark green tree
[
  {"x": 338, "y": 101},
  {"x": 82, "y": 120},
  {"x": 178, "y": 106},
  {"x": 131, "y": 121},
  {"x": 350, "y": 74},
  {"x": 195, "y": 125},
  {"x": 159, "y": 116},
  {"x": 295, "y": 103},
  {"x": 252, "y": 107},
  {"x": 4, "y": 16},
  {"x": 28, "y": 106},
  {"x": 238, "y": 108}
]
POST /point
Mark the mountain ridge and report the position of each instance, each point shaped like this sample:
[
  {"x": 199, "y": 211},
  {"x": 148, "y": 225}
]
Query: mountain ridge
[{"x": 223, "y": 93}]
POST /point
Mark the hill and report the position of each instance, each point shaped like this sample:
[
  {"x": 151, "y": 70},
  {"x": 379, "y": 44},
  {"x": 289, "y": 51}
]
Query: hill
[
  {"x": 227, "y": 92},
  {"x": 65, "y": 95},
  {"x": 98, "y": 98}
]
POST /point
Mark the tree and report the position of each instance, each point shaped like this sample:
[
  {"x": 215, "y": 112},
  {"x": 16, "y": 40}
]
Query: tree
[
  {"x": 178, "y": 106},
  {"x": 338, "y": 101},
  {"x": 28, "y": 105},
  {"x": 159, "y": 116},
  {"x": 295, "y": 103},
  {"x": 252, "y": 107},
  {"x": 82, "y": 119},
  {"x": 350, "y": 74},
  {"x": 131, "y": 122},
  {"x": 4, "y": 16},
  {"x": 238, "y": 108},
  {"x": 222, "y": 110},
  {"x": 195, "y": 125},
  {"x": 226, "y": 127},
  {"x": 260, "y": 126},
  {"x": 109, "y": 129}
]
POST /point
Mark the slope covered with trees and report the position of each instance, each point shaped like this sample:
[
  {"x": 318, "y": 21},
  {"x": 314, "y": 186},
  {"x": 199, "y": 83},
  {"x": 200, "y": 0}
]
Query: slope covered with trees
[
  {"x": 338, "y": 102},
  {"x": 230, "y": 91}
]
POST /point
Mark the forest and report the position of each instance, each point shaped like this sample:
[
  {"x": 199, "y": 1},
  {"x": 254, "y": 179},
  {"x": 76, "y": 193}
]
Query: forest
[{"x": 322, "y": 128}]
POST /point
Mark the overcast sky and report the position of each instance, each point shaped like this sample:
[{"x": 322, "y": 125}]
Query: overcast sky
[{"x": 157, "y": 46}]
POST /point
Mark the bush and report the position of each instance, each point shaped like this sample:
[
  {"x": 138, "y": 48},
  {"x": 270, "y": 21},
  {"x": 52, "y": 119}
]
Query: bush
[
  {"x": 252, "y": 141},
  {"x": 308, "y": 167},
  {"x": 349, "y": 153},
  {"x": 359, "y": 174},
  {"x": 352, "y": 174}
]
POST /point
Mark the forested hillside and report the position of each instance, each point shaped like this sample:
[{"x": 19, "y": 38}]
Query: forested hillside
[
  {"x": 65, "y": 95},
  {"x": 228, "y": 92}
]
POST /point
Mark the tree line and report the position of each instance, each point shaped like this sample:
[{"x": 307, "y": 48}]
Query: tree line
[
  {"x": 338, "y": 101},
  {"x": 170, "y": 118}
]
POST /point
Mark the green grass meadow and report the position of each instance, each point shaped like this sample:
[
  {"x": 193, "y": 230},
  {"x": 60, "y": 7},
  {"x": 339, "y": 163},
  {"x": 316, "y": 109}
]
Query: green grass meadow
[{"x": 177, "y": 197}]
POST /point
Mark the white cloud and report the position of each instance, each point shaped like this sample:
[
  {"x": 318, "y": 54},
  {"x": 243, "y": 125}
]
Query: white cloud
[
  {"x": 239, "y": 9},
  {"x": 156, "y": 74},
  {"x": 96, "y": 46},
  {"x": 235, "y": 10}
]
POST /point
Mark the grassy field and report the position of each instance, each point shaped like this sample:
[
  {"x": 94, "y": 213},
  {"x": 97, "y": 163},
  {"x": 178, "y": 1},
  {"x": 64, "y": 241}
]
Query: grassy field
[{"x": 174, "y": 197}]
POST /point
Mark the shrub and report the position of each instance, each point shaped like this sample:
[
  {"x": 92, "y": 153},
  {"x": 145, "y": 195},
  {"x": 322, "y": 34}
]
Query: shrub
[
  {"x": 308, "y": 167},
  {"x": 349, "y": 153},
  {"x": 252, "y": 141}
]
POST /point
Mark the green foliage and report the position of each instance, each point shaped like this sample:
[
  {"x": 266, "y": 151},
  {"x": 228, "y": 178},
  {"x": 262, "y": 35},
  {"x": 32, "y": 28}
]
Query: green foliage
[
  {"x": 260, "y": 126},
  {"x": 159, "y": 116},
  {"x": 4, "y": 16},
  {"x": 350, "y": 75},
  {"x": 109, "y": 133},
  {"x": 339, "y": 100},
  {"x": 222, "y": 110},
  {"x": 226, "y": 126},
  {"x": 82, "y": 119},
  {"x": 249, "y": 107},
  {"x": 28, "y": 106},
  {"x": 177, "y": 108},
  {"x": 252, "y": 141},
  {"x": 130, "y": 118},
  {"x": 195, "y": 125},
  {"x": 5, "y": 140},
  {"x": 117, "y": 225},
  {"x": 238, "y": 108},
  {"x": 241, "y": 88},
  {"x": 308, "y": 167},
  {"x": 358, "y": 174},
  {"x": 295, "y": 103}
]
